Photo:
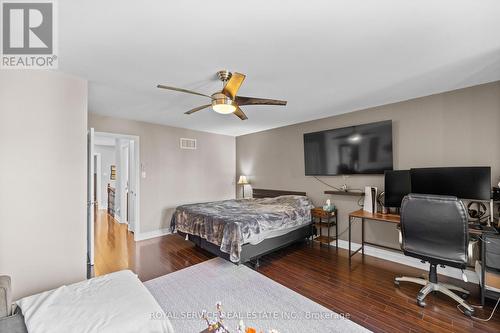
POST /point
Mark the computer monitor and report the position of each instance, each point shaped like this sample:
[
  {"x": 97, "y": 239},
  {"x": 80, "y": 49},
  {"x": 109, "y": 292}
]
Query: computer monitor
[
  {"x": 472, "y": 183},
  {"x": 397, "y": 185}
]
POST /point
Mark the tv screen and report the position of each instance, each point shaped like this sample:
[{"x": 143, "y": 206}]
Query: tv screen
[
  {"x": 461, "y": 182},
  {"x": 397, "y": 185},
  {"x": 363, "y": 149}
]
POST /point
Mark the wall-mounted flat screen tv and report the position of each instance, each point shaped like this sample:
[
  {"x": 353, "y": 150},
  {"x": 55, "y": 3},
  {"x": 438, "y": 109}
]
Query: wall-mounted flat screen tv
[{"x": 362, "y": 149}]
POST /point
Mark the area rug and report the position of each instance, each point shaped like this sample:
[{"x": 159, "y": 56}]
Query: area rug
[{"x": 245, "y": 295}]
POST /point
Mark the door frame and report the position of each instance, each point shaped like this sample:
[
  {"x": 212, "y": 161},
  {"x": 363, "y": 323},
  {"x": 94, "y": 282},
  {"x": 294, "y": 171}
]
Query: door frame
[
  {"x": 90, "y": 202},
  {"x": 124, "y": 151},
  {"x": 137, "y": 176},
  {"x": 132, "y": 185},
  {"x": 97, "y": 171}
]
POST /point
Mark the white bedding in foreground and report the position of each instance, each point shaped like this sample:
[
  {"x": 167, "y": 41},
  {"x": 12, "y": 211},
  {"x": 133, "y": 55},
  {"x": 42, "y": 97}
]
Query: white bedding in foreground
[{"x": 116, "y": 302}]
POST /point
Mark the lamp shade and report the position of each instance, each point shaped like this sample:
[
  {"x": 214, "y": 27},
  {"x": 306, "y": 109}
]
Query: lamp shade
[{"x": 243, "y": 180}]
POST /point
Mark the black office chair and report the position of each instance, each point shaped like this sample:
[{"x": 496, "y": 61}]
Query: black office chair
[{"x": 435, "y": 230}]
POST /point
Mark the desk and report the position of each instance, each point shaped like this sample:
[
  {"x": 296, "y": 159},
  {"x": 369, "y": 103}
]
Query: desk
[
  {"x": 396, "y": 219},
  {"x": 388, "y": 218}
]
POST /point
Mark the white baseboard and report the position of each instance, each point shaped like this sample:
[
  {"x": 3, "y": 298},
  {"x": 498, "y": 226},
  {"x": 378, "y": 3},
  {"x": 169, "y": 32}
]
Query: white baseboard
[
  {"x": 151, "y": 234},
  {"x": 400, "y": 258}
]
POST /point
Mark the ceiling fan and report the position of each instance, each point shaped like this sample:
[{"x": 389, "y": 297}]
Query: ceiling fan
[{"x": 226, "y": 101}]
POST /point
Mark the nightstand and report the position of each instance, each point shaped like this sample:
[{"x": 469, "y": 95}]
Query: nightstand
[{"x": 323, "y": 219}]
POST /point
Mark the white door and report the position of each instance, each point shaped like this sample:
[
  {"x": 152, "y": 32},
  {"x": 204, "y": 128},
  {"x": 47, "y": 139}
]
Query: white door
[
  {"x": 90, "y": 197},
  {"x": 132, "y": 186}
]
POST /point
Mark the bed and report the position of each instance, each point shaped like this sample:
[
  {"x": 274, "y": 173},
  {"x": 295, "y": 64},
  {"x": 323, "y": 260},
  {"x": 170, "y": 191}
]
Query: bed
[
  {"x": 243, "y": 230},
  {"x": 116, "y": 302}
]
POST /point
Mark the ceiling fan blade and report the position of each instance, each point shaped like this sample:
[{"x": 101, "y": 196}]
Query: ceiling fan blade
[
  {"x": 233, "y": 85},
  {"x": 182, "y": 90},
  {"x": 240, "y": 114},
  {"x": 197, "y": 109},
  {"x": 241, "y": 100}
]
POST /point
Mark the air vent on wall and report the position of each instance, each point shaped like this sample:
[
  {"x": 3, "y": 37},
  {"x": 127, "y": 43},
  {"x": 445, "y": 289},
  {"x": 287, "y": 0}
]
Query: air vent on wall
[{"x": 188, "y": 143}]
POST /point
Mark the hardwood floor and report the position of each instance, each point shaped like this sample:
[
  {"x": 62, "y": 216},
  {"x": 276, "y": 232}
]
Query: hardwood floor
[
  {"x": 365, "y": 290},
  {"x": 114, "y": 247},
  {"x": 115, "y": 250}
]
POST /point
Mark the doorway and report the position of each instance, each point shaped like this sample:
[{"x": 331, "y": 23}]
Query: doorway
[{"x": 113, "y": 182}]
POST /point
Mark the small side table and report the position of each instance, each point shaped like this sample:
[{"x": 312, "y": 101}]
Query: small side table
[{"x": 322, "y": 219}]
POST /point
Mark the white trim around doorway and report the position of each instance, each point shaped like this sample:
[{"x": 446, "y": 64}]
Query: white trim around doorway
[{"x": 137, "y": 158}]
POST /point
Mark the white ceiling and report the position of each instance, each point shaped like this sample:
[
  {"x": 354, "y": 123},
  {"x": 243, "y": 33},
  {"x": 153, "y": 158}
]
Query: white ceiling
[{"x": 324, "y": 57}]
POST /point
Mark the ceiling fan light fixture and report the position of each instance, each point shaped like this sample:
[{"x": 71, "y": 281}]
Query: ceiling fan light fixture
[
  {"x": 227, "y": 100},
  {"x": 223, "y": 106}
]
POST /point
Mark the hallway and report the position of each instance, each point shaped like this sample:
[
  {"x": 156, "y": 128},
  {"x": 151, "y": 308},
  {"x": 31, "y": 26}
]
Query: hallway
[{"x": 115, "y": 249}]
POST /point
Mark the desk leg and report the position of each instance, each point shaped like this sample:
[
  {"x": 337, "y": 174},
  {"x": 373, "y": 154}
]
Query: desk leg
[
  {"x": 482, "y": 286},
  {"x": 320, "y": 234},
  {"x": 350, "y": 218},
  {"x": 363, "y": 236},
  {"x": 328, "y": 233},
  {"x": 336, "y": 233},
  {"x": 361, "y": 248}
]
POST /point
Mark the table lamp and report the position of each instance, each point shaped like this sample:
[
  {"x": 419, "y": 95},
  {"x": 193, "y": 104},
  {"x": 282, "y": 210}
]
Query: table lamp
[{"x": 243, "y": 181}]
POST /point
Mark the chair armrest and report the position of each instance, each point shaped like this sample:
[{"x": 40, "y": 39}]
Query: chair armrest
[
  {"x": 5, "y": 296},
  {"x": 473, "y": 252}
]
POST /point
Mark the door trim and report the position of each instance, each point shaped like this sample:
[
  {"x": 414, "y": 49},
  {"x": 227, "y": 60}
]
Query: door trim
[{"x": 137, "y": 162}]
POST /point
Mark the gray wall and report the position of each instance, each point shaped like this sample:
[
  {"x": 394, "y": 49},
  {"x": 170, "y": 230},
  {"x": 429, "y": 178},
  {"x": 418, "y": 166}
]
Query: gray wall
[
  {"x": 175, "y": 176},
  {"x": 43, "y": 175},
  {"x": 458, "y": 128}
]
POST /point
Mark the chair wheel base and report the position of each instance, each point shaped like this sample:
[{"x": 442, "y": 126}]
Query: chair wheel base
[
  {"x": 468, "y": 313},
  {"x": 396, "y": 283},
  {"x": 464, "y": 295},
  {"x": 421, "y": 303}
]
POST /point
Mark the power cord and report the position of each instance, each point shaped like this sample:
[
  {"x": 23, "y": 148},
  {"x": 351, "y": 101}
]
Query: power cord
[
  {"x": 479, "y": 306},
  {"x": 336, "y": 188},
  {"x": 343, "y": 232},
  {"x": 482, "y": 239},
  {"x": 325, "y": 183}
]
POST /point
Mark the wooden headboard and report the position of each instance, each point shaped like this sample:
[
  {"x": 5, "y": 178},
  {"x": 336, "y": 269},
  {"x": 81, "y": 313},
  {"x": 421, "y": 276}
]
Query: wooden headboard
[{"x": 262, "y": 193}]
